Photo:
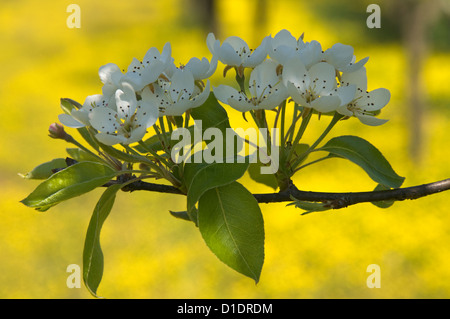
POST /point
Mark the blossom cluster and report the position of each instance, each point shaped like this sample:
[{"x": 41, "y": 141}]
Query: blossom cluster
[{"x": 282, "y": 67}]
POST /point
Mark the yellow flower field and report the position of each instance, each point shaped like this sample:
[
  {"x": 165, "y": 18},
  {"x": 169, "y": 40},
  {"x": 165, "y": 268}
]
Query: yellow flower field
[{"x": 150, "y": 254}]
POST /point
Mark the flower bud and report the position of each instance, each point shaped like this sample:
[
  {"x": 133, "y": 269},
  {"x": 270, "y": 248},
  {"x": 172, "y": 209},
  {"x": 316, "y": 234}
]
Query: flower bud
[{"x": 56, "y": 130}]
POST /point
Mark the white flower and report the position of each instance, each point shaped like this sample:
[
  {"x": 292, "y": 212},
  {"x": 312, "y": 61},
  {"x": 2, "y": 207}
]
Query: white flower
[
  {"x": 265, "y": 86},
  {"x": 176, "y": 95},
  {"x": 200, "y": 69},
  {"x": 80, "y": 118},
  {"x": 235, "y": 52},
  {"x": 315, "y": 88},
  {"x": 311, "y": 53},
  {"x": 365, "y": 104},
  {"x": 140, "y": 74},
  {"x": 128, "y": 123},
  {"x": 342, "y": 58},
  {"x": 283, "y": 46},
  {"x": 112, "y": 79}
]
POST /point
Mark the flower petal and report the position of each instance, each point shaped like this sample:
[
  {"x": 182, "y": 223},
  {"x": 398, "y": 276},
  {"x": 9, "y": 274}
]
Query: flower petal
[
  {"x": 311, "y": 53},
  {"x": 345, "y": 93},
  {"x": 274, "y": 99},
  {"x": 344, "y": 110},
  {"x": 126, "y": 101},
  {"x": 326, "y": 104},
  {"x": 352, "y": 67},
  {"x": 323, "y": 77},
  {"x": 182, "y": 85},
  {"x": 109, "y": 139},
  {"x": 358, "y": 78},
  {"x": 166, "y": 54},
  {"x": 370, "y": 120},
  {"x": 374, "y": 100},
  {"x": 258, "y": 55},
  {"x": 202, "y": 97},
  {"x": 69, "y": 121},
  {"x": 237, "y": 43},
  {"x": 104, "y": 120},
  {"x": 147, "y": 112},
  {"x": 228, "y": 55},
  {"x": 198, "y": 67},
  {"x": 242, "y": 105},
  {"x": 225, "y": 92},
  {"x": 283, "y": 37},
  {"x": 106, "y": 72},
  {"x": 263, "y": 77},
  {"x": 339, "y": 55},
  {"x": 136, "y": 135},
  {"x": 294, "y": 71},
  {"x": 295, "y": 93},
  {"x": 211, "y": 42}
]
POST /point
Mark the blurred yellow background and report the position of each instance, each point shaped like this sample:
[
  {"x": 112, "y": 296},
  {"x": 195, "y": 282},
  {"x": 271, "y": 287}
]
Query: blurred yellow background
[{"x": 148, "y": 253}]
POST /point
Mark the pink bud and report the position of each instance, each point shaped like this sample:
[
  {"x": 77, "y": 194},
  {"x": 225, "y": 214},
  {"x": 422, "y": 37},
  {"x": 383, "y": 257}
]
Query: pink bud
[{"x": 56, "y": 130}]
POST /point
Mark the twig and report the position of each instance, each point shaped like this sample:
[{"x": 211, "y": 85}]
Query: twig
[{"x": 333, "y": 200}]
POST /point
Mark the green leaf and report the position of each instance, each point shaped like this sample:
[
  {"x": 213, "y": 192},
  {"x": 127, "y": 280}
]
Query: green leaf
[
  {"x": 367, "y": 156},
  {"x": 130, "y": 158},
  {"x": 178, "y": 121},
  {"x": 86, "y": 135},
  {"x": 154, "y": 142},
  {"x": 212, "y": 114},
  {"x": 45, "y": 170},
  {"x": 201, "y": 177},
  {"x": 92, "y": 252},
  {"x": 189, "y": 216},
  {"x": 231, "y": 223},
  {"x": 70, "y": 182},
  {"x": 309, "y": 207},
  {"x": 383, "y": 203},
  {"x": 67, "y": 105},
  {"x": 81, "y": 156},
  {"x": 254, "y": 171}
]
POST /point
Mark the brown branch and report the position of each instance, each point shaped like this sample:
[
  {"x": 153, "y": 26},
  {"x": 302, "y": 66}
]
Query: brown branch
[
  {"x": 341, "y": 200},
  {"x": 334, "y": 200}
]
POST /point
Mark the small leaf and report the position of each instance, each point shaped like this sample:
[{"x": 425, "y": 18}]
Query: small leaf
[
  {"x": 67, "y": 105},
  {"x": 201, "y": 177},
  {"x": 192, "y": 216},
  {"x": 92, "y": 252},
  {"x": 70, "y": 182},
  {"x": 254, "y": 171},
  {"x": 81, "y": 156},
  {"x": 231, "y": 223},
  {"x": 154, "y": 142},
  {"x": 367, "y": 156},
  {"x": 309, "y": 207},
  {"x": 212, "y": 114},
  {"x": 115, "y": 153},
  {"x": 45, "y": 170},
  {"x": 86, "y": 135},
  {"x": 383, "y": 203}
]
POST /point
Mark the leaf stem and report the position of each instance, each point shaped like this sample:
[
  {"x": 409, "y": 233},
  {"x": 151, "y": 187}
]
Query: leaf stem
[
  {"x": 333, "y": 122},
  {"x": 301, "y": 131}
]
